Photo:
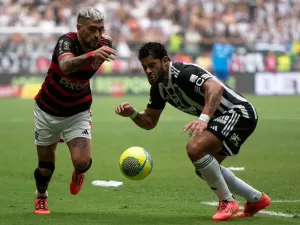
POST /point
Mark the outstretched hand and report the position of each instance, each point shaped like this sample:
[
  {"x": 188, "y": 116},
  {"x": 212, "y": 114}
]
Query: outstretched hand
[{"x": 196, "y": 127}]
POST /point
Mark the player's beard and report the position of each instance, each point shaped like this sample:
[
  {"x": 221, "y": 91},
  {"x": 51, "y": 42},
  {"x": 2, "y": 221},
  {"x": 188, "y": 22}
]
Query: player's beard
[
  {"x": 95, "y": 44},
  {"x": 91, "y": 45},
  {"x": 160, "y": 75}
]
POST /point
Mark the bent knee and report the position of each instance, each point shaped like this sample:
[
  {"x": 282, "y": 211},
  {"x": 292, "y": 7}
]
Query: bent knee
[
  {"x": 195, "y": 150},
  {"x": 81, "y": 163}
]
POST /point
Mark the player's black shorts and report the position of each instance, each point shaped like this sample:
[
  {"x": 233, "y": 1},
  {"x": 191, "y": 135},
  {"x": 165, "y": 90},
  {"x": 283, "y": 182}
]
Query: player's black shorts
[{"x": 232, "y": 128}]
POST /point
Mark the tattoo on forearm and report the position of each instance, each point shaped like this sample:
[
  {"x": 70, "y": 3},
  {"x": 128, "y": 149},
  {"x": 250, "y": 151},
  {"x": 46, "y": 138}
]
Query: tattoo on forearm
[
  {"x": 213, "y": 102},
  {"x": 74, "y": 63},
  {"x": 79, "y": 142}
]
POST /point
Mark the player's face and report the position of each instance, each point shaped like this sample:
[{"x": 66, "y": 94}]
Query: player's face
[
  {"x": 90, "y": 33},
  {"x": 154, "y": 69}
]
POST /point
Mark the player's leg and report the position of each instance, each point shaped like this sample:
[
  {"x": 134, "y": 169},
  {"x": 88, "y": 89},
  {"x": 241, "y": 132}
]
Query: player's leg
[
  {"x": 233, "y": 129},
  {"x": 78, "y": 138},
  {"x": 236, "y": 185},
  {"x": 42, "y": 175},
  {"x": 80, "y": 149},
  {"x": 46, "y": 139},
  {"x": 255, "y": 199},
  {"x": 200, "y": 150}
]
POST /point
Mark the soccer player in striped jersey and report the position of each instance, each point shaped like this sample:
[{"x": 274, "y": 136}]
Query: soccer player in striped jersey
[
  {"x": 63, "y": 103},
  {"x": 225, "y": 120}
]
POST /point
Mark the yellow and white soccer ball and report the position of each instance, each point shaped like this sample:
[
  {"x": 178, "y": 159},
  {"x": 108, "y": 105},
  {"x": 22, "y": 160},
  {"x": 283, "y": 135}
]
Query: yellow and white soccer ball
[{"x": 136, "y": 163}]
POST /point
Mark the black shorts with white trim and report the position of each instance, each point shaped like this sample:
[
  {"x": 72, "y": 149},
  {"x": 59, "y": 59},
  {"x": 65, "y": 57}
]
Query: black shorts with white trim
[{"x": 232, "y": 129}]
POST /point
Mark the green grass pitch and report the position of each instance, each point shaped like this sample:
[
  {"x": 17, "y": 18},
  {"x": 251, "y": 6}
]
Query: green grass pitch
[{"x": 172, "y": 193}]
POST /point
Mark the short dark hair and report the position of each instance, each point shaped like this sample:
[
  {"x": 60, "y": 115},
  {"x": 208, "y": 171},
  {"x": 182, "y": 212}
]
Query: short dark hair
[{"x": 155, "y": 49}]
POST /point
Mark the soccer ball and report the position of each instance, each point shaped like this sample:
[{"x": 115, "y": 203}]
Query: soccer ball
[{"x": 136, "y": 163}]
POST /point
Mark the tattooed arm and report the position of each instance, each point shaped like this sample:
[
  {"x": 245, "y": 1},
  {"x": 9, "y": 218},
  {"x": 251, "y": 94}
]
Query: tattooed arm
[
  {"x": 212, "y": 93},
  {"x": 69, "y": 64}
]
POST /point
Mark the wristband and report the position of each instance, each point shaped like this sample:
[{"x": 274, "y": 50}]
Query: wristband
[
  {"x": 134, "y": 114},
  {"x": 204, "y": 118},
  {"x": 90, "y": 55}
]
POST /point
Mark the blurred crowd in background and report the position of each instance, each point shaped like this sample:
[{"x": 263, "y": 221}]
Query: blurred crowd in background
[{"x": 253, "y": 35}]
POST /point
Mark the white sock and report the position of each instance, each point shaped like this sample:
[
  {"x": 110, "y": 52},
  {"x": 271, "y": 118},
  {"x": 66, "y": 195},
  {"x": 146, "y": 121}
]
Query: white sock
[
  {"x": 211, "y": 173},
  {"x": 41, "y": 195},
  {"x": 239, "y": 187}
]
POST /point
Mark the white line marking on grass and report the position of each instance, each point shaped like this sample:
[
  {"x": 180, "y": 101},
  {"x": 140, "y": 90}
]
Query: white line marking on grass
[
  {"x": 236, "y": 168},
  {"x": 285, "y": 201},
  {"x": 271, "y": 213}
]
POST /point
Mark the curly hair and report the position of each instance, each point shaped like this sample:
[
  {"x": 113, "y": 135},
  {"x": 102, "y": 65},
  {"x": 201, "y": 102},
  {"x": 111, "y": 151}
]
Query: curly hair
[{"x": 154, "y": 49}]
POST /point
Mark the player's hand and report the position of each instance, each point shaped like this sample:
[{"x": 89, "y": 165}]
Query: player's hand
[
  {"x": 125, "y": 109},
  {"x": 106, "y": 36},
  {"x": 105, "y": 53},
  {"x": 196, "y": 127}
]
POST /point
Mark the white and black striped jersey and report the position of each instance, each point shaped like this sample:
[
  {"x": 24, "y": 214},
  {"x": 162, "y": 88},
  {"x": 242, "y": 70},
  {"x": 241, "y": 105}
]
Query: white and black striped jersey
[{"x": 184, "y": 92}]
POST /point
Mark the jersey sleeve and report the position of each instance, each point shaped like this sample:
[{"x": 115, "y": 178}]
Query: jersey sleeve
[
  {"x": 65, "y": 46},
  {"x": 156, "y": 101},
  {"x": 193, "y": 77}
]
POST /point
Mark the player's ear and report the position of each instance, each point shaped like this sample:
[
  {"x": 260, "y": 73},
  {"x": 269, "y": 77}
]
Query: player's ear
[
  {"x": 165, "y": 60},
  {"x": 78, "y": 26}
]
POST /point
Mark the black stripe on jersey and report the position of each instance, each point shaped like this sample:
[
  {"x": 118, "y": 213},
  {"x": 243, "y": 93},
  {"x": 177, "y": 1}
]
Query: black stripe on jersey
[
  {"x": 63, "y": 98},
  {"x": 67, "y": 85},
  {"x": 174, "y": 71},
  {"x": 61, "y": 110}
]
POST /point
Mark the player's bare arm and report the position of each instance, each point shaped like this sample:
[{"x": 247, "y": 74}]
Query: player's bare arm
[
  {"x": 69, "y": 64},
  {"x": 213, "y": 92},
  {"x": 147, "y": 119}
]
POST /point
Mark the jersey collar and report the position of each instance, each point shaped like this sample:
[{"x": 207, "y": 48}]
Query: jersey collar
[{"x": 170, "y": 75}]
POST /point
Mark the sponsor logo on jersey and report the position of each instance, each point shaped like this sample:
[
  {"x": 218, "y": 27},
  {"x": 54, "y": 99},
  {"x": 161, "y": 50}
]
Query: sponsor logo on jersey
[
  {"x": 73, "y": 85},
  {"x": 198, "y": 89},
  {"x": 193, "y": 78},
  {"x": 202, "y": 79}
]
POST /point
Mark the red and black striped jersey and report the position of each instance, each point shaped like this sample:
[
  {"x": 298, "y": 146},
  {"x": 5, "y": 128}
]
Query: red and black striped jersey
[{"x": 62, "y": 94}]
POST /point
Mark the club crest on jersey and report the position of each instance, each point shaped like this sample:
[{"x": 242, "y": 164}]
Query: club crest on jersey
[{"x": 97, "y": 63}]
